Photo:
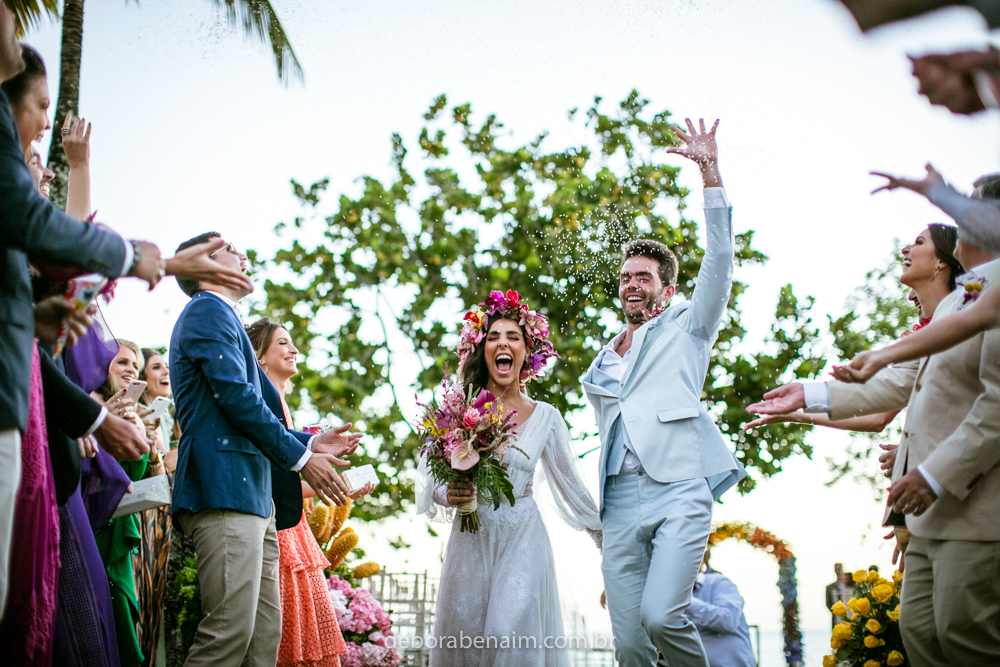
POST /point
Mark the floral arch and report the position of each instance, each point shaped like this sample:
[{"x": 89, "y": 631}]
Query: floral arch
[{"x": 787, "y": 583}]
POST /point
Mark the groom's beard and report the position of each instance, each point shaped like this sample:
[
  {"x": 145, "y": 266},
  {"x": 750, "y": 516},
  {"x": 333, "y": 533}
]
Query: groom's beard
[{"x": 633, "y": 311}]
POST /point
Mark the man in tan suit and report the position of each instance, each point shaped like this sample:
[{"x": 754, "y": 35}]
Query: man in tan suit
[{"x": 946, "y": 479}]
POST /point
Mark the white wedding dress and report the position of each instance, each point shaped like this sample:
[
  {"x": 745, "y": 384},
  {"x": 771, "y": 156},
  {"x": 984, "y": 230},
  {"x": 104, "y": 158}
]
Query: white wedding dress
[{"x": 499, "y": 585}]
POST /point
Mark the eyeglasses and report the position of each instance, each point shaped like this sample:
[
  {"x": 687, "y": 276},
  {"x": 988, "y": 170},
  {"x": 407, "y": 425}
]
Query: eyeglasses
[{"x": 229, "y": 247}]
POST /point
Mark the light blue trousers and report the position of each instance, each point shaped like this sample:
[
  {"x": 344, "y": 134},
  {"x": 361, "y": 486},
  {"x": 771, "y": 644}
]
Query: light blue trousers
[{"x": 654, "y": 541}]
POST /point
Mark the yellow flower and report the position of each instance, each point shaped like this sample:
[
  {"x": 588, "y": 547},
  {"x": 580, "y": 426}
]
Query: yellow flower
[
  {"x": 883, "y": 592},
  {"x": 871, "y": 663},
  {"x": 860, "y": 577},
  {"x": 829, "y": 661},
  {"x": 897, "y": 576},
  {"x": 973, "y": 287},
  {"x": 894, "y": 615},
  {"x": 873, "y": 642},
  {"x": 894, "y": 660},
  {"x": 860, "y": 606},
  {"x": 838, "y": 609},
  {"x": 873, "y": 625},
  {"x": 873, "y": 576},
  {"x": 841, "y": 633}
]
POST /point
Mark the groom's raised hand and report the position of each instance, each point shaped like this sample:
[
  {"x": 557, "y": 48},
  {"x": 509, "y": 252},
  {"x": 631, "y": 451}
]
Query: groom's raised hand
[
  {"x": 337, "y": 441},
  {"x": 700, "y": 147},
  {"x": 788, "y": 398},
  {"x": 320, "y": 475}
]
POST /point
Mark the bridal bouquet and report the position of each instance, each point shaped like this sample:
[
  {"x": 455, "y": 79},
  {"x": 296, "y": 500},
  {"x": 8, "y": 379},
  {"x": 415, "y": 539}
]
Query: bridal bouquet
[
  {"x": 871, "y": 637},
  {"x": 466, "y": 439}
]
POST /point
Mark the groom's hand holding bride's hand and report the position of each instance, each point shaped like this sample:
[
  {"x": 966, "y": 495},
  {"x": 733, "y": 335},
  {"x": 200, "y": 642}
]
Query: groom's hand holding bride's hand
[
  {"x": 788, "y": 398},
  {"x": 320, "y": 475}
]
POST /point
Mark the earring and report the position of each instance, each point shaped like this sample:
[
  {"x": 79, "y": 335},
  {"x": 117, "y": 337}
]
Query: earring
[{"x": 936, "y": 271}]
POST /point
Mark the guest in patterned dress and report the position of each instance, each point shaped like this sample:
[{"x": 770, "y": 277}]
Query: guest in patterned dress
[{"x": 309, "y": 631}]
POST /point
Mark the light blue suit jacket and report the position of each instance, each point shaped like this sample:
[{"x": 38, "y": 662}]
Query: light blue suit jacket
[{"x": 659, "y": 397}]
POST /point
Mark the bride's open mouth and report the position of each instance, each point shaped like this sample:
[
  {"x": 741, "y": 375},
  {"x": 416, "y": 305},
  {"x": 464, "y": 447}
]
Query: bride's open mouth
[{"x": 504, "y": 363}]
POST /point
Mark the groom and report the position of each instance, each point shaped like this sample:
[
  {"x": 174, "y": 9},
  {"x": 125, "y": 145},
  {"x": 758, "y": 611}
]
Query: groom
[
  {"x": 223, "y": 485},
  {"x": 663, "y": 461}
]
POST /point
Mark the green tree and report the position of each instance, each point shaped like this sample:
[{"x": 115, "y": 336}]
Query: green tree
[
  {"x": 257, "y": 19},
  {"x": 878, "y": 313},
  {"x": 486, "y": 216}
]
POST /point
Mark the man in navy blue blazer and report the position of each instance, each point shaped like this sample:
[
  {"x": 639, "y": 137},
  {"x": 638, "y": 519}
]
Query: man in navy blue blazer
[{"x": 223, "y": 482}]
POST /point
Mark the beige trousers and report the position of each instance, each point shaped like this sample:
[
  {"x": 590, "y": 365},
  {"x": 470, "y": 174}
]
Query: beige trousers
[
  {"x": 10, "y": 479},
  {"x": 240, "y": 595},
  {"x": 950, "y": 607}
]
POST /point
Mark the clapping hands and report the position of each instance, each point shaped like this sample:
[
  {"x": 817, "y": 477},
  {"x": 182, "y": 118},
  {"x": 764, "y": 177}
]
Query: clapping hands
[{"x": 338, "y": 441}]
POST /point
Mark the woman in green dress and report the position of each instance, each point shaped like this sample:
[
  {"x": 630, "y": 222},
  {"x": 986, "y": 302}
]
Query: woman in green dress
[{"x": 123, "y": 535}]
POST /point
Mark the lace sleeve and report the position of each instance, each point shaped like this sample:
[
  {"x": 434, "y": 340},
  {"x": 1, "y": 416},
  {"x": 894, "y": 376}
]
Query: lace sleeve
[
  {"x": 571, "y": 497},
  {"x": 429, "y": 496}
]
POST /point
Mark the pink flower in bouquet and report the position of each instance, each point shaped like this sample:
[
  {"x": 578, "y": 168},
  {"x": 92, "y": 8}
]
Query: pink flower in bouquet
[
  {"x": 464, "y": 456},
  {"x": 451, "y": 442},
  {"x": 471, "y": 419}
]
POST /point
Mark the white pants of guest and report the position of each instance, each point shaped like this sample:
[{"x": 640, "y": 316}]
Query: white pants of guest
[
  {"x": 10, "y": 479},
  {"x": 654, "y": 541}
]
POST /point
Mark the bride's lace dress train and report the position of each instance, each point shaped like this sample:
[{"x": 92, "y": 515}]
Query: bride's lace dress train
[{"x": 498, "y": 602}]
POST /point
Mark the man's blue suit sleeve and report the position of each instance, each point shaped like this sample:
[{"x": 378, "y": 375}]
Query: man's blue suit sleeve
[
  {"x": 212, "y": 340},
  {"x": 36, "y": 227}
]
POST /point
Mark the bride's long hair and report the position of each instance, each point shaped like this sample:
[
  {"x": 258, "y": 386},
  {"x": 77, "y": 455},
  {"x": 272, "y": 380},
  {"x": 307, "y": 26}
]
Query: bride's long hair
[{"x": 476, "y": 374}]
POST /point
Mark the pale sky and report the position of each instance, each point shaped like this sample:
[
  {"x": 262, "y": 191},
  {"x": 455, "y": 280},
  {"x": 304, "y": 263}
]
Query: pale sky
[{"x": 193, "y": 132}]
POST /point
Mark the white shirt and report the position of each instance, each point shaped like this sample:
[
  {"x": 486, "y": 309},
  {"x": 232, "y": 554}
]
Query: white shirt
[
  {"x": 615, "y": 365},
  {"x": 817, "y": 394}
]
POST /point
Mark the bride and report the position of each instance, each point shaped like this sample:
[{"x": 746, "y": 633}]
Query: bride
[{"x": 498, "y": 604}]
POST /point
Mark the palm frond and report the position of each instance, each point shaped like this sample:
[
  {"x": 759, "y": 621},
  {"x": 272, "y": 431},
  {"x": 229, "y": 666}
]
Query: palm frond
[
  {"x": 28, "y": 13},
  {"x": 260, "y": 22}
]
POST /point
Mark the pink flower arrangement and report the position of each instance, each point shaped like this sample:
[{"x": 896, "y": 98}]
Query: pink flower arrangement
[
  {"x": 466, "y": 440},
  {"x": 364, "y": 624}
]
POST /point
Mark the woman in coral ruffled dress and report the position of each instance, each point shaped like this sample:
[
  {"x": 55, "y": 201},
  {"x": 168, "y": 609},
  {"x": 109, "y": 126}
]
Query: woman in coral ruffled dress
[{"x": 309, "y": 631}]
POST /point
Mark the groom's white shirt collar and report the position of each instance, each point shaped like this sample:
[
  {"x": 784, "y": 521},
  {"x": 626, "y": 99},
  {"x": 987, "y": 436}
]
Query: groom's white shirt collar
[{"x": 230, "y": 302}]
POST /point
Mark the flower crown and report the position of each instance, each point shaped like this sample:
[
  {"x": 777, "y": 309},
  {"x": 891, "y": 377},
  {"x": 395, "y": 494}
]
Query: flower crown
[{"x": 500, "y": 306}]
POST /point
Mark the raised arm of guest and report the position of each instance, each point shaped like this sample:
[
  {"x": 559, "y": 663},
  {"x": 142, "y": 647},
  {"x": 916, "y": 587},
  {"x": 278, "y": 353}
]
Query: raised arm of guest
[
  {"x": 978, "y": 219},
  {"x": 76, "y": 145}
]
